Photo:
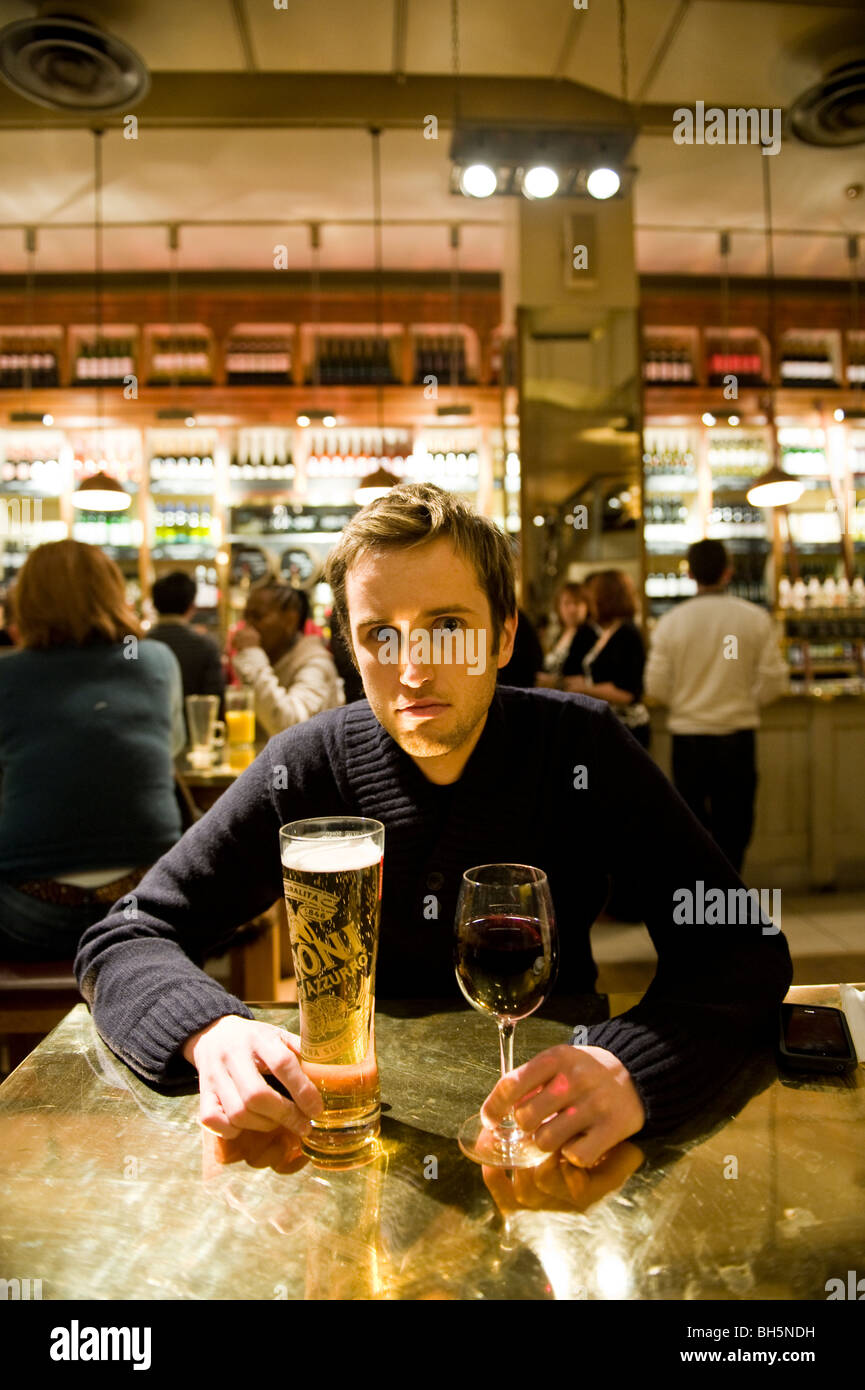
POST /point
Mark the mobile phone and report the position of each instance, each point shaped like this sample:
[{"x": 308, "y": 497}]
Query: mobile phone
[{"x": 815, "y": 1038}]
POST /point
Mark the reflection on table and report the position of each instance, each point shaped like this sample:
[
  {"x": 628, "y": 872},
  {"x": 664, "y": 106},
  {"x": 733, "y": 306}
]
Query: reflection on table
[{"x": 111, "y": 1189}]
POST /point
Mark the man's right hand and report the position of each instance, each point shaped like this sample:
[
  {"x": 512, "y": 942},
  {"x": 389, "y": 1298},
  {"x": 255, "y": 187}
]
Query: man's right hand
[{"x": 230, "y": 1056}]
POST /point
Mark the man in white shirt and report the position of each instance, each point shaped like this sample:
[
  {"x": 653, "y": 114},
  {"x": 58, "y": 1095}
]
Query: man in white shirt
[
  {"x": 293, "y": 676},
  {"x": 714, "y": 661}
]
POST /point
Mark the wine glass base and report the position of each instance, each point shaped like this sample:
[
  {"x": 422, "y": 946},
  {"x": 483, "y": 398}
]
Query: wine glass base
[{"x": 499, "y": 1148}]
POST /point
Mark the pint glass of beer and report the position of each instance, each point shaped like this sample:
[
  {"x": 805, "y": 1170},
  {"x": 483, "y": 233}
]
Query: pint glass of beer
[{"x": 332, "y": 876}]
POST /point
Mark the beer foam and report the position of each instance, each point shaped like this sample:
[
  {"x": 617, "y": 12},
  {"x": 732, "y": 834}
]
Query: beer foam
[{"x": 330, "y": 854}]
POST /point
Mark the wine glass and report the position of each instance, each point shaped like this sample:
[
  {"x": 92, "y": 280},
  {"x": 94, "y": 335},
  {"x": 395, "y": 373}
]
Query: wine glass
[{"x": 505, "y": 955}]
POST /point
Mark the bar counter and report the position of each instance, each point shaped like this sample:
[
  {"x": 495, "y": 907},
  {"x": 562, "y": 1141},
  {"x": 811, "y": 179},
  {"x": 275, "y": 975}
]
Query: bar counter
[
  {"x": 810, "y": 812},
  {"x": 111, "y": 1189}
]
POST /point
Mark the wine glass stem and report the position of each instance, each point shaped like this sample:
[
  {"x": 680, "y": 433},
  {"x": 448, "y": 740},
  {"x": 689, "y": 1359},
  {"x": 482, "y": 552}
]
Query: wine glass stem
[{"x": 506, "y": 1051}]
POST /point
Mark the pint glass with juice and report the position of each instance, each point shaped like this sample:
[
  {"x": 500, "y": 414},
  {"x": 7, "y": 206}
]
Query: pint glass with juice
[{"x": 332, "y": 877}]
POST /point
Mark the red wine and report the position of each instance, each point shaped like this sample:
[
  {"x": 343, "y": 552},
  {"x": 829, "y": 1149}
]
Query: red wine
[{"x": 501, "y": 966}]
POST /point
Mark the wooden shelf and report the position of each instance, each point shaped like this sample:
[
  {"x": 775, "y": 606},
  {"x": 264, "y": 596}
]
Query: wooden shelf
[{"x": 353, "y": 406}]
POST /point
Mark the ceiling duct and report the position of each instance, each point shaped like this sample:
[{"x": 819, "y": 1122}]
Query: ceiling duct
[
  {"x": 833, "y": 112},
  {"x": 70, "y": 64}
]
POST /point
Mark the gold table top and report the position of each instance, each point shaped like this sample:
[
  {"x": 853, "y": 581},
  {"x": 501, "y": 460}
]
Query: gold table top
[{"x": 110, "y": 1189}]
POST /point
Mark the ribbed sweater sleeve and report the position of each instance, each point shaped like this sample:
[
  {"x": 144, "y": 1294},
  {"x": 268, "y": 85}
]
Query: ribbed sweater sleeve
[
  {"x": 714, "y": 999},
  {"x": 137, "y": 967}
]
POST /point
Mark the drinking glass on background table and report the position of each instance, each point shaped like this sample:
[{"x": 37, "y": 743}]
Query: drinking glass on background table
[
  {"x": 240, "y": 726},
  {"x": 332, "y": 876},
  {"x": 506, "y": 956},
  {"x": 206, "y": 732}
]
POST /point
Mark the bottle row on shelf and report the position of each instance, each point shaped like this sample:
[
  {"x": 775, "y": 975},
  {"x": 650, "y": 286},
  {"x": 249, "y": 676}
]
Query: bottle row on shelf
[
  {"x": 669, "y": 462},
  {"x": 353, "y": 362},
  {"x": 730, "y": 457},
  {"x": 806, "y": 364},
  {"x": 803, "y": 459},
  {"x": 339, "y": 361},
  {"x": 182, "y": 466},
  {"x": 667, "y": 365},
  {"x": 671, "y": 512},
  {"x": 675, "y": 583},
  {"x": 113, "y": 529},
  {"x": 186, "y": 360},
  {"x": 440, "y": 464},
  {"x": 820, "y": 594},
  {"x": 443, "y": 358},
  {"x": 182, "y": 524},
  {"x": 104, "y": 362},
  {"x": 43, "y": 474},
  {"x": 27, "y": 364},
  {"x": 258, "y": 362},
  {"x": 259, "y": 471},
  {"x": 737, "y": 515},
  {"x": 802, "y": 362},
  {"x": 745, "y": 366}
]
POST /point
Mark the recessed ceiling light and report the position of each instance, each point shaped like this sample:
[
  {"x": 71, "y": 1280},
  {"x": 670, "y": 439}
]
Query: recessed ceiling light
[
  {"x": 478, "y": 181},
  {"x": 603, "y": 183}
]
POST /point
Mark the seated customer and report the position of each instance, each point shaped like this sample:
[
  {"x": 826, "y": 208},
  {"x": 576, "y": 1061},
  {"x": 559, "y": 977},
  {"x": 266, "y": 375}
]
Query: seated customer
[
  {"x": 89, "y": 719},
  {"x": 197, "y": 654},
  {"x": 612, "y": 669},
  {"x": 461, "y": 773},
  {"x": 293, "y": 677}
]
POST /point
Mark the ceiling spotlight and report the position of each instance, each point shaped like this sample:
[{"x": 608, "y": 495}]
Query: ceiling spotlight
[
  {"x": 478, "y": 181},
  {"x": 190, "y": 422},
  {"x": 708, "y": 418},
  {"x": 540, "y": 182},
  {"x": 603, "y": 183},
  {"x": 538, "y": 520},
  {"x": 839, "y": 415},
  {"x": 328, "y": 421},
  {"x": 48, "y": 419},
  {"x": 732, "y": 419},
  {"x": 303, "y": 421}
]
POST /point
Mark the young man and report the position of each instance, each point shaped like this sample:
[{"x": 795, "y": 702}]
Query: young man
[
  {"x": 714, "y": 661},
  {"x": 460, "y": 774},
  {"x": 293, "y": 676}
]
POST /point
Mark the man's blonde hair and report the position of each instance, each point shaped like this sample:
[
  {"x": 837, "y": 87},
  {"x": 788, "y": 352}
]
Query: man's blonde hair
[{"x": 413, "y": 514}]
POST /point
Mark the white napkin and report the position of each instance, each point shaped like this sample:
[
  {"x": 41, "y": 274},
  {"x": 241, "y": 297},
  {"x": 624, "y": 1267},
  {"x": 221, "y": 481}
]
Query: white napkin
[{"x": 853, "y": 1004}]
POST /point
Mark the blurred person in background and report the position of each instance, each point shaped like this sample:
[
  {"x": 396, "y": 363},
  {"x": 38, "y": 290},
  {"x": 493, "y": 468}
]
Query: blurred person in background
[
  {"x": 293, "y": 676},
  {"x": 613, "y": 667},
  {"x": 528, "y": 655},
  {"x": 7, "y": 633},
  {"x": 90, "y": 717},
  {"x": 576, "y": 637},
  {"x": 714, "y": 660},
  {"x": 197, "y": 654}
]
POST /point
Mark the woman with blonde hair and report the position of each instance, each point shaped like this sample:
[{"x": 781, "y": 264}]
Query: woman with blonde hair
[{"x": 90, "y": 716}]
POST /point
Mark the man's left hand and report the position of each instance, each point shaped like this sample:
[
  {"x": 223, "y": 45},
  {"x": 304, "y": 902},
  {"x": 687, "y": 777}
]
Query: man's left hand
[
  {"x": 246, "y": 637},
  {"x": 581, "y": 1100}
]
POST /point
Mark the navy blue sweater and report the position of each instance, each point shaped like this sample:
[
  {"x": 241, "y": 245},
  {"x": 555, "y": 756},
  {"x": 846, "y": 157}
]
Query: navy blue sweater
[
  {"x": 716, "y": 990},
  {"x": 85, "y": 755}
]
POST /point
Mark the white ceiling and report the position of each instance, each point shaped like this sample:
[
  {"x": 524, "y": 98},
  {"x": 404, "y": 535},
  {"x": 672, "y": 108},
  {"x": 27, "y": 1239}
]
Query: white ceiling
[{"x": 725, "y": 52}]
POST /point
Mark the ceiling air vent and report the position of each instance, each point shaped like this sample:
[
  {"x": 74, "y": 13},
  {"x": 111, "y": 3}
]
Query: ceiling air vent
[
  {"x": 833, "y": 112},
  {"x": 71, "y": 65}
]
